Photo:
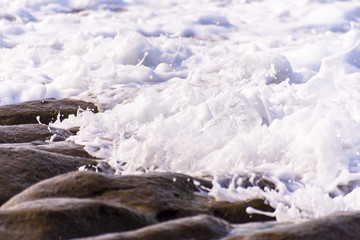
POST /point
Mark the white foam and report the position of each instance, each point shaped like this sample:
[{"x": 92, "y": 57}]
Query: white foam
[{"x": 204, "y": 87}]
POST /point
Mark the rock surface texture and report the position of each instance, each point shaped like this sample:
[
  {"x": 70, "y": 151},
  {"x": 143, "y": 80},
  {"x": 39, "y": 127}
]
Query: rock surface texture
[
  {"x": 45, "y": 196},
  {"x": 44, "y": 111},
  {"x": 343, "y": 225},
  {"x": 201, "y": 227}
]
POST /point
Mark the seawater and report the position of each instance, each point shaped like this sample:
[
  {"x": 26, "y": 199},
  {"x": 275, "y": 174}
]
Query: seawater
[{"x": 206, "y": 87}]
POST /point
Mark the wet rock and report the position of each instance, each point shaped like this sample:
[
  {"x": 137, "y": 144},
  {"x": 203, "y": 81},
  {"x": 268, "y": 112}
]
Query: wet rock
[
  {"x": 257, "y": 180},
  {"x": 235, "y": 212},
  {"x": 64, "y": 218},
  {"x": 74, "y": 130},
  {"x": 31, "y": 132},
  {"x": 20, "y": 167},
  {"x": 344, "y": 225},
  {"x": 164, "y": 196},
  {"x": 245, "y": 180},
  {"x": 63, "y": 147},
  {"x": 66, "y": 148},
  {"x": 48, "y": 111},
  {"x": 343, "y": 189},
  {"x": 201, "y": 227}
]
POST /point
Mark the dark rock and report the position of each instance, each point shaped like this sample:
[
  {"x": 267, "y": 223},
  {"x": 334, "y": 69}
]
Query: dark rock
[
  {"x": 66, "y": 148},
  {"x": 257, "y": 180},
  {"x": 245, "y": 180},
  {"x": 235, "y": 212},
  {"x": 20, "y": 167},
  {"x": 343, "y": 189},
  {"x": 48, "y": 111},
  {"x": 344, "y": 226},
  {"x": 64, "y": 218},
  {"x": 201, "y": 227},
  {"x": 31, "y": 132},
  {"x": 164, "y": 196},
  {"x": 74, "y": 130}
]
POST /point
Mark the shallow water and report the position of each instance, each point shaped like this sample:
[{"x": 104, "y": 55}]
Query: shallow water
[{"x": 205, "y": 87}]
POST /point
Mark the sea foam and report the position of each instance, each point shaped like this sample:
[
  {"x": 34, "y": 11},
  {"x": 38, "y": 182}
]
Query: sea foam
[{"x": 206, "y": 88}]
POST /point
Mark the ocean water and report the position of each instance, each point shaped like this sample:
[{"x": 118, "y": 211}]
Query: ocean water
[{"x": 208, "y": 88}]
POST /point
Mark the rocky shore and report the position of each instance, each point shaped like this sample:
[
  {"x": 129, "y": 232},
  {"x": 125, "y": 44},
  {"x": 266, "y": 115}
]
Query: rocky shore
[{"x": 43, "y": 195}]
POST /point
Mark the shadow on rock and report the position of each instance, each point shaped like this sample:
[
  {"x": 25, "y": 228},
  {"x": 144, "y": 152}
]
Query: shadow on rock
[
  {"x": 64, "y": 218},
  {"x": 21, "y": 167},
  {"x": 201, "y": 227}
]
